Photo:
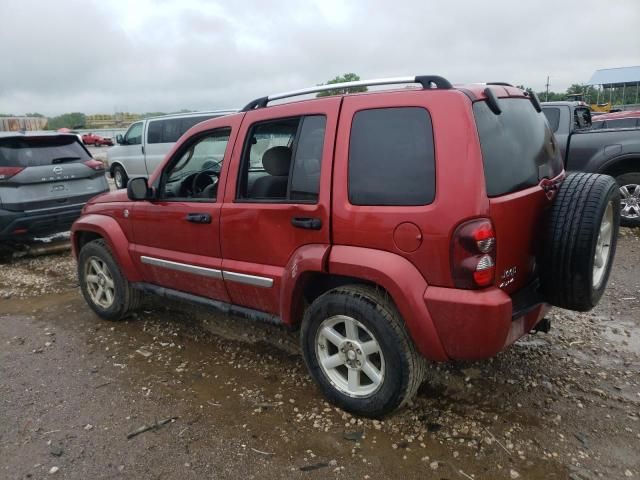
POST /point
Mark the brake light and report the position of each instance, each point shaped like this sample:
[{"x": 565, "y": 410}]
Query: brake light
[
  {"x": 94, "y": 164},
  {"x": 473, "y": 254},
  {"x": 8, "y": 172}
]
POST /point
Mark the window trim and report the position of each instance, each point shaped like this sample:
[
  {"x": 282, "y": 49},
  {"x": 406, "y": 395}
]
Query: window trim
[
  {"x": 162, "y": 178},
  {"x": 435, "y": 163},
  {"x": 245, "y": 161}
]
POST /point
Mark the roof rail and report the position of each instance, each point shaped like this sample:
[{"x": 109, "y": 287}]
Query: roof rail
[
  {"x": 427, "y": 81},
  {"x": 502, "y": 84}
]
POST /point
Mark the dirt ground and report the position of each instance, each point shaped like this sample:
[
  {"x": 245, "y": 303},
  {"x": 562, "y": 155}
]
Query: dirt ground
[{"x": 226, "y": 398}]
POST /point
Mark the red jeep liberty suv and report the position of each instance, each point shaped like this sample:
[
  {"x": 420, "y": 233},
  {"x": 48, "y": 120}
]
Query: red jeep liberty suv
[{"x": 391, "y": 226}]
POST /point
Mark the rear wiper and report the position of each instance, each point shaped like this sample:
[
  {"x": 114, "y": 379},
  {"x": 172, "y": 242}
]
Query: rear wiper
[{"x": 64, "y": 159}]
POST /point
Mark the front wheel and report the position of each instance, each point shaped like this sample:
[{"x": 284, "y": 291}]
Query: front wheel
[
  {"x": 629, "y": 184},
  {"x": 120, "y": 177},
  {"x": 358, "y": 351},
  {"x": 103, "y": 285}
]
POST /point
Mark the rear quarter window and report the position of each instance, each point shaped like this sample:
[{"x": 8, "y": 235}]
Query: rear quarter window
[
  {"x": 391, "y": 157},
  {"x": 518, "y": 146}
]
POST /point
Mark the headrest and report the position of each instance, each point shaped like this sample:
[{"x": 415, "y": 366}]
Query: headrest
[{"x": 276, "y": 161}]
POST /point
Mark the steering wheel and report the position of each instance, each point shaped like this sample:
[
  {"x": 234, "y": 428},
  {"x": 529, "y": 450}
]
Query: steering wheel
[{"x": 202, "y": 180}]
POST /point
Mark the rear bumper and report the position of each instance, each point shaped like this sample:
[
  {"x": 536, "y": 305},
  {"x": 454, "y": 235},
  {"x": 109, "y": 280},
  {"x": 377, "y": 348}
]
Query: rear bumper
[
  {"x": 34, "y": 223},
  {"x": 478, "y": 324}
]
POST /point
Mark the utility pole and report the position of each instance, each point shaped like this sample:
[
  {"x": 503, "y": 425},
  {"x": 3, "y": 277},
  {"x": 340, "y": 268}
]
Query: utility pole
[{"x": 546, "y": 98}]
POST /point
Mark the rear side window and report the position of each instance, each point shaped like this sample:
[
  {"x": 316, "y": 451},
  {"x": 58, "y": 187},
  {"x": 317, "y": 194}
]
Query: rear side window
[
  {"x": 391, "y": 157},
  {"x": 38, "y": 151},
  {"x": 170, "y": 130},
  {"x": 553, "y": 117},
  {"x": 621, "y": 123},
  {"x": 518, "y": 147},
  {"x": 282, "y": 160}
]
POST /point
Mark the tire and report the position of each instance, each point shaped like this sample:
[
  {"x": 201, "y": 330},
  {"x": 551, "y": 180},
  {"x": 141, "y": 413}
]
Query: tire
[
  {"x": 629, "y": 184},
  {"x": 124, "y": 298},
  {"x": 579, "y": 247},
  {"x": 119, "y": 177},
  {"x": 400, "y": 366}
]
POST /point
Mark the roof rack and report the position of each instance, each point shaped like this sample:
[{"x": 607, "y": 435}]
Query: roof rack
[
  {"x": 502, "y": 84},
  {"x": 427, "y": 81}
]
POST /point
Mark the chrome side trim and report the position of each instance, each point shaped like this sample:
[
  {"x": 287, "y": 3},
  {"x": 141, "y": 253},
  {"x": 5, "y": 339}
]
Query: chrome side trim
[
  {"x": 248, "y": 279},
  {"x": 182, "y": 267}
]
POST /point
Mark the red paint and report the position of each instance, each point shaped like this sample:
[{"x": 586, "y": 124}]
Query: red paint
[{"x": 405, "y": 250}]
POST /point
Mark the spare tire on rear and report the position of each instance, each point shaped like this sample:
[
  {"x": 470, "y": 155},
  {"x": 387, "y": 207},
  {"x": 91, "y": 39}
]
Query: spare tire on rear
[{"x": 580, "y": 243}]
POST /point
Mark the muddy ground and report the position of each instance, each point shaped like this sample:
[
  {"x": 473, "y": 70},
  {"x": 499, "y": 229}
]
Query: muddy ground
[{"x": 232, "y": 399}]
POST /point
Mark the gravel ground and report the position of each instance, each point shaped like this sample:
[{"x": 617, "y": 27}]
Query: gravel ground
[{"x": 239, "y": 403}]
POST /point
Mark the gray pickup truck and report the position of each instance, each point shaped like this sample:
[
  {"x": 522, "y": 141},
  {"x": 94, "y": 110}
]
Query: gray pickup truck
[{"x": 613, "y": 151}]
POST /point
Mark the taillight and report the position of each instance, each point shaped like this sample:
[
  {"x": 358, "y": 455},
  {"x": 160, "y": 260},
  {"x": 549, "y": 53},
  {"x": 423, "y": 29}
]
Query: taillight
[
  {"x": 94, "y": 164},
  {"x": 473, "y": 254},
  {"x": 8, "y": 172}
]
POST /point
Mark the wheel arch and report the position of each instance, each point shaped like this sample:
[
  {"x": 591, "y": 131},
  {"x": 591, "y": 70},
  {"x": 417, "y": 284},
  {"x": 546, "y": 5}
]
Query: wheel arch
[
  {"x": 115, "y": 164},
  {"x": 392, "y": 274},
  {"x": 620, "y": 165},
  {"x": 93, "y": 227}
]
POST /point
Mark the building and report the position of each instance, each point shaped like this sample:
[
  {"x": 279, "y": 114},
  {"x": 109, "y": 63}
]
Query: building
[{"x": 15, "y": 124}]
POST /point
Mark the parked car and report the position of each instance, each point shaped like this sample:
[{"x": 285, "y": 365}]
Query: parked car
[
  {"x": 96, "y": 140},
  {"x": 626, "y": 119},
  {"x": 45, "y": 180},
  {"x": 612, "y": 150},
  {"x": 390, "y": 226},
  {"x": 146, "y": 143}
]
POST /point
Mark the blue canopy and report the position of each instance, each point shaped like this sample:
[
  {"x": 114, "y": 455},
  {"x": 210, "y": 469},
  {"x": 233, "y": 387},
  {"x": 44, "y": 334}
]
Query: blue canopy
[{"x": 616, "y": 77}]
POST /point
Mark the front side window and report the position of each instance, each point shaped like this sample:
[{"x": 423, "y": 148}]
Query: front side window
[
  {"x": 391, "y": 157},
  {"x": 134, "y": 134},
  {"x": 282, "y": 159},
  {"x": 195, "y": 174}
]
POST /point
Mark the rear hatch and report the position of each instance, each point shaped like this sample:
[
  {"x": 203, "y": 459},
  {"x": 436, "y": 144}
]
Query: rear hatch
[
  {"x": 47, "y": 171},
  {"x": 520, "y": 157}
]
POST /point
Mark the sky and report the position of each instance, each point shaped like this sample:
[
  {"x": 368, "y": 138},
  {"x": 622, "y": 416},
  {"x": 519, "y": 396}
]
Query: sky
[{"x": 147, "y": 56}]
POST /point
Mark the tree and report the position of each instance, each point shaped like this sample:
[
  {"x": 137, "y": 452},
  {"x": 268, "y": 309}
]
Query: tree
[
  {"x": 347, "y": 77},
  {"x": 35, "y": 114},
  {"x": 68, "y": 120}
]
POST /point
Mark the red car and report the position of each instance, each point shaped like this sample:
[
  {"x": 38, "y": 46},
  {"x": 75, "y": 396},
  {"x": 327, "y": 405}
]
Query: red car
[
  {"x": 625, "y": 119},
  {"x": 96, "y": 140},
  {"x": 389, "y": 226}
]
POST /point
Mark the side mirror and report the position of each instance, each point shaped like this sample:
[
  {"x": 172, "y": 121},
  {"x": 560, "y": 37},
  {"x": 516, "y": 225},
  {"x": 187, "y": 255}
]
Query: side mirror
[
  {"x": 138, "y": 189},
  {"x": 120, "y": 139}
]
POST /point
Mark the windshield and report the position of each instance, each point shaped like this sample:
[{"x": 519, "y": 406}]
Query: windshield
[
  {"x": 518, "y": 147},
  {"x": 39, "y": 151}
]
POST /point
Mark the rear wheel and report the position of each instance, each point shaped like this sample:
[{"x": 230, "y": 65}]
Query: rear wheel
[
  {"x": 629, "y": 199},
  {"x": 581, "y": 240},
  {"x": 358, "y": 351},
  {"x": 119, "y": 177},
  {"x": 103, "y": 286}
]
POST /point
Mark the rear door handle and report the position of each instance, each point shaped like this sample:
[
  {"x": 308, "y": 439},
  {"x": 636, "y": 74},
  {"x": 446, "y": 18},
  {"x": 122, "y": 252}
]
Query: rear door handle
[
  {"x": 307, "y": 222},
  {"x": 198, "y": 218}
]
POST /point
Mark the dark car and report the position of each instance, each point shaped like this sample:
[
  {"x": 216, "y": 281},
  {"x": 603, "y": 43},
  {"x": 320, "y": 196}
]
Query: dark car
[
  {"x": 611, "y": 146},
  {"x": 45, "y": 180}
]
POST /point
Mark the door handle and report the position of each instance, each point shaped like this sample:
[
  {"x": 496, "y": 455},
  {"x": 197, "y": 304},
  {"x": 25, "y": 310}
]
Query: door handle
[
  {"x": 307, "y": 222},
  {"x": 198, "y": 218}
]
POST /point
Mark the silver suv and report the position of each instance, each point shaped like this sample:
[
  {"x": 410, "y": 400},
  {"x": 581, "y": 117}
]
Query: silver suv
[{"x": 45, "y": 180}]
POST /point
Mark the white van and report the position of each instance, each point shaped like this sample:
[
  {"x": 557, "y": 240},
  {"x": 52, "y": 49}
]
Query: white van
[{"x": 147, "y": 142}]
